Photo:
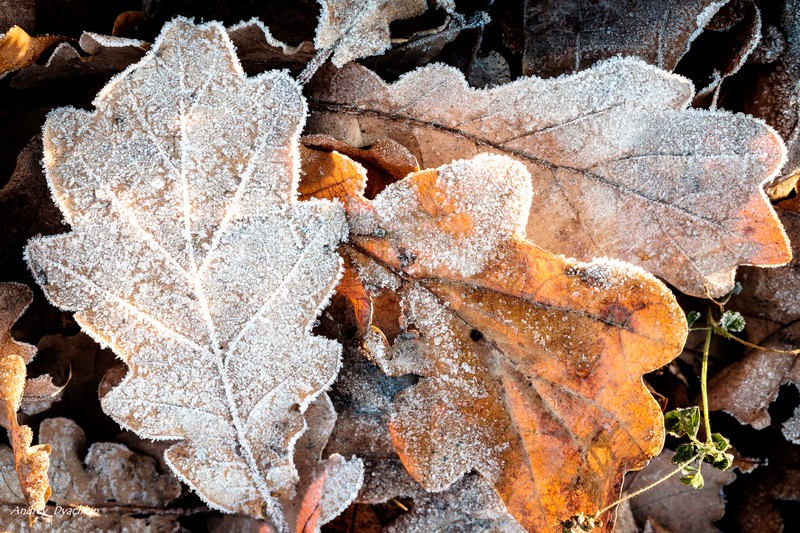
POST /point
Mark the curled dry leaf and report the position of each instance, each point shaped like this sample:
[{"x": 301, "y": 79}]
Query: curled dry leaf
[
  {"x": 747, "y": 387},
  {"x": 18, "y": 49},
  {"x": 30, "y": 462},
  {"x": 111, "y": 483},
  {"x": 352, "y": 29},
  {"x": 424, "y": 46},
  {"x": 620, "y": 166},
  {"x": 363, "y": 395},
  {"x": 99, "y": 55},
  {"x": 734, "y": 34},
  {"x": 532, "y": 363},
  {"x": 698, "y": 509},
  {"x": 39, "y": 395},
  {"x": 258, "y": 50},
  {"x": 569, "y": 35},
  {"x": 170, "y": 186}
]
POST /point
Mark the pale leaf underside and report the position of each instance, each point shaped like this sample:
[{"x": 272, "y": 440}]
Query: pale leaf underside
[
  {"x": 620, "y": 166},
  {"x": 190, "y": 257}
]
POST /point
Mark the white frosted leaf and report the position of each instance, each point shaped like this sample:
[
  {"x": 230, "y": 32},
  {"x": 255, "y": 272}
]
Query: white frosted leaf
[
  {"x": 191, "y": 258},
  {"x": 356, "y": 28},
  {"x": 620, "y": 167}
]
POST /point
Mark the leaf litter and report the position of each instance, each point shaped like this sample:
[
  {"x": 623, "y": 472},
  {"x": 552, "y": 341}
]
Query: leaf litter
[
  {"x": 381, "y": 309},
  {"x": 106, "y": 488}
]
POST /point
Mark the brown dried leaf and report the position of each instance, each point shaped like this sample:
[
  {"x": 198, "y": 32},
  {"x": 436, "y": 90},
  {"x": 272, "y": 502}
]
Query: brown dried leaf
[
  {"x": 699, "y": 509},
  {"x": 26, "y": 208},
  {"x": 326, "y": 486},
  {"x": 169, "y": 187},
  {"x": 569, "y": 36},
  {"x": 532, "y": 362},
  {"x": 352, "y": 29},
  {"x": 363, "y": 395},
  {"x": 30, "y": 462},
  {"x": 620, "y": 167},
  {"x": 111, "y": 484},
  {"x": 18, "y": 49},
  {"x": 770, "y": 295},
  {"x": 469, "y": 505},
  {"x": 756, "y": 509},
  {"x": 81, "y": 363},
  {"x": 490, "y": 71},
  {"x": 422, "y": 47},
  {"x": 747, "y": 387},
  {"x": 17, "y": 12},
  {"x": 385, "y": 160},
  {"x": 14, "y": 300},
  {"x": 773, "y": 94},
  {"x": 40, "y": 394},
  {"x": 259, "y": 51},
  {"x": 728, "y": 49}
]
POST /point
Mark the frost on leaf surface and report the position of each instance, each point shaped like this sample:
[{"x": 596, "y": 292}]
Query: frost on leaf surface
[
  {"x": 192, "y": 259},
  {"x": 620, "y": 166},
  {"x": 358, "y": 28},
  {"x": 531, "y": 363}
]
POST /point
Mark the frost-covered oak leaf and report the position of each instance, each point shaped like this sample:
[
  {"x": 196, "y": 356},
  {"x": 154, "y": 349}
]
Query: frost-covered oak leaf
[
  {"x": 620, "y": 166},
  {"x": 352, "y": 29},
  {"x": 190, "y": 257},
  {"x": 531, "y": 363}
]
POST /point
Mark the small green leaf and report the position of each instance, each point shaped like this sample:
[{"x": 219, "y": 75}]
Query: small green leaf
[
  {"x": 732, "y": 321},
  {"x": 683, "y": 422},
  {"x": 692, "y": 316},
  {"x": 720, "y": 442},
  {"x": 685, "y": 452},
  {"x": 695, "y": 480},
  {"x": 722, "y": 461}
]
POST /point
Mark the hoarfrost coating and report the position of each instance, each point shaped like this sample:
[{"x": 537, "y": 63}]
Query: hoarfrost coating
[{"x": 170, "y": 186}]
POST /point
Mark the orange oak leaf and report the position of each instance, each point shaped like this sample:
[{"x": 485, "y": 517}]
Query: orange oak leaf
[
  {"x": 30, "y": 462},
  {"x": 620, "y": 166},
  {"x": 531, "y": 362}
]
